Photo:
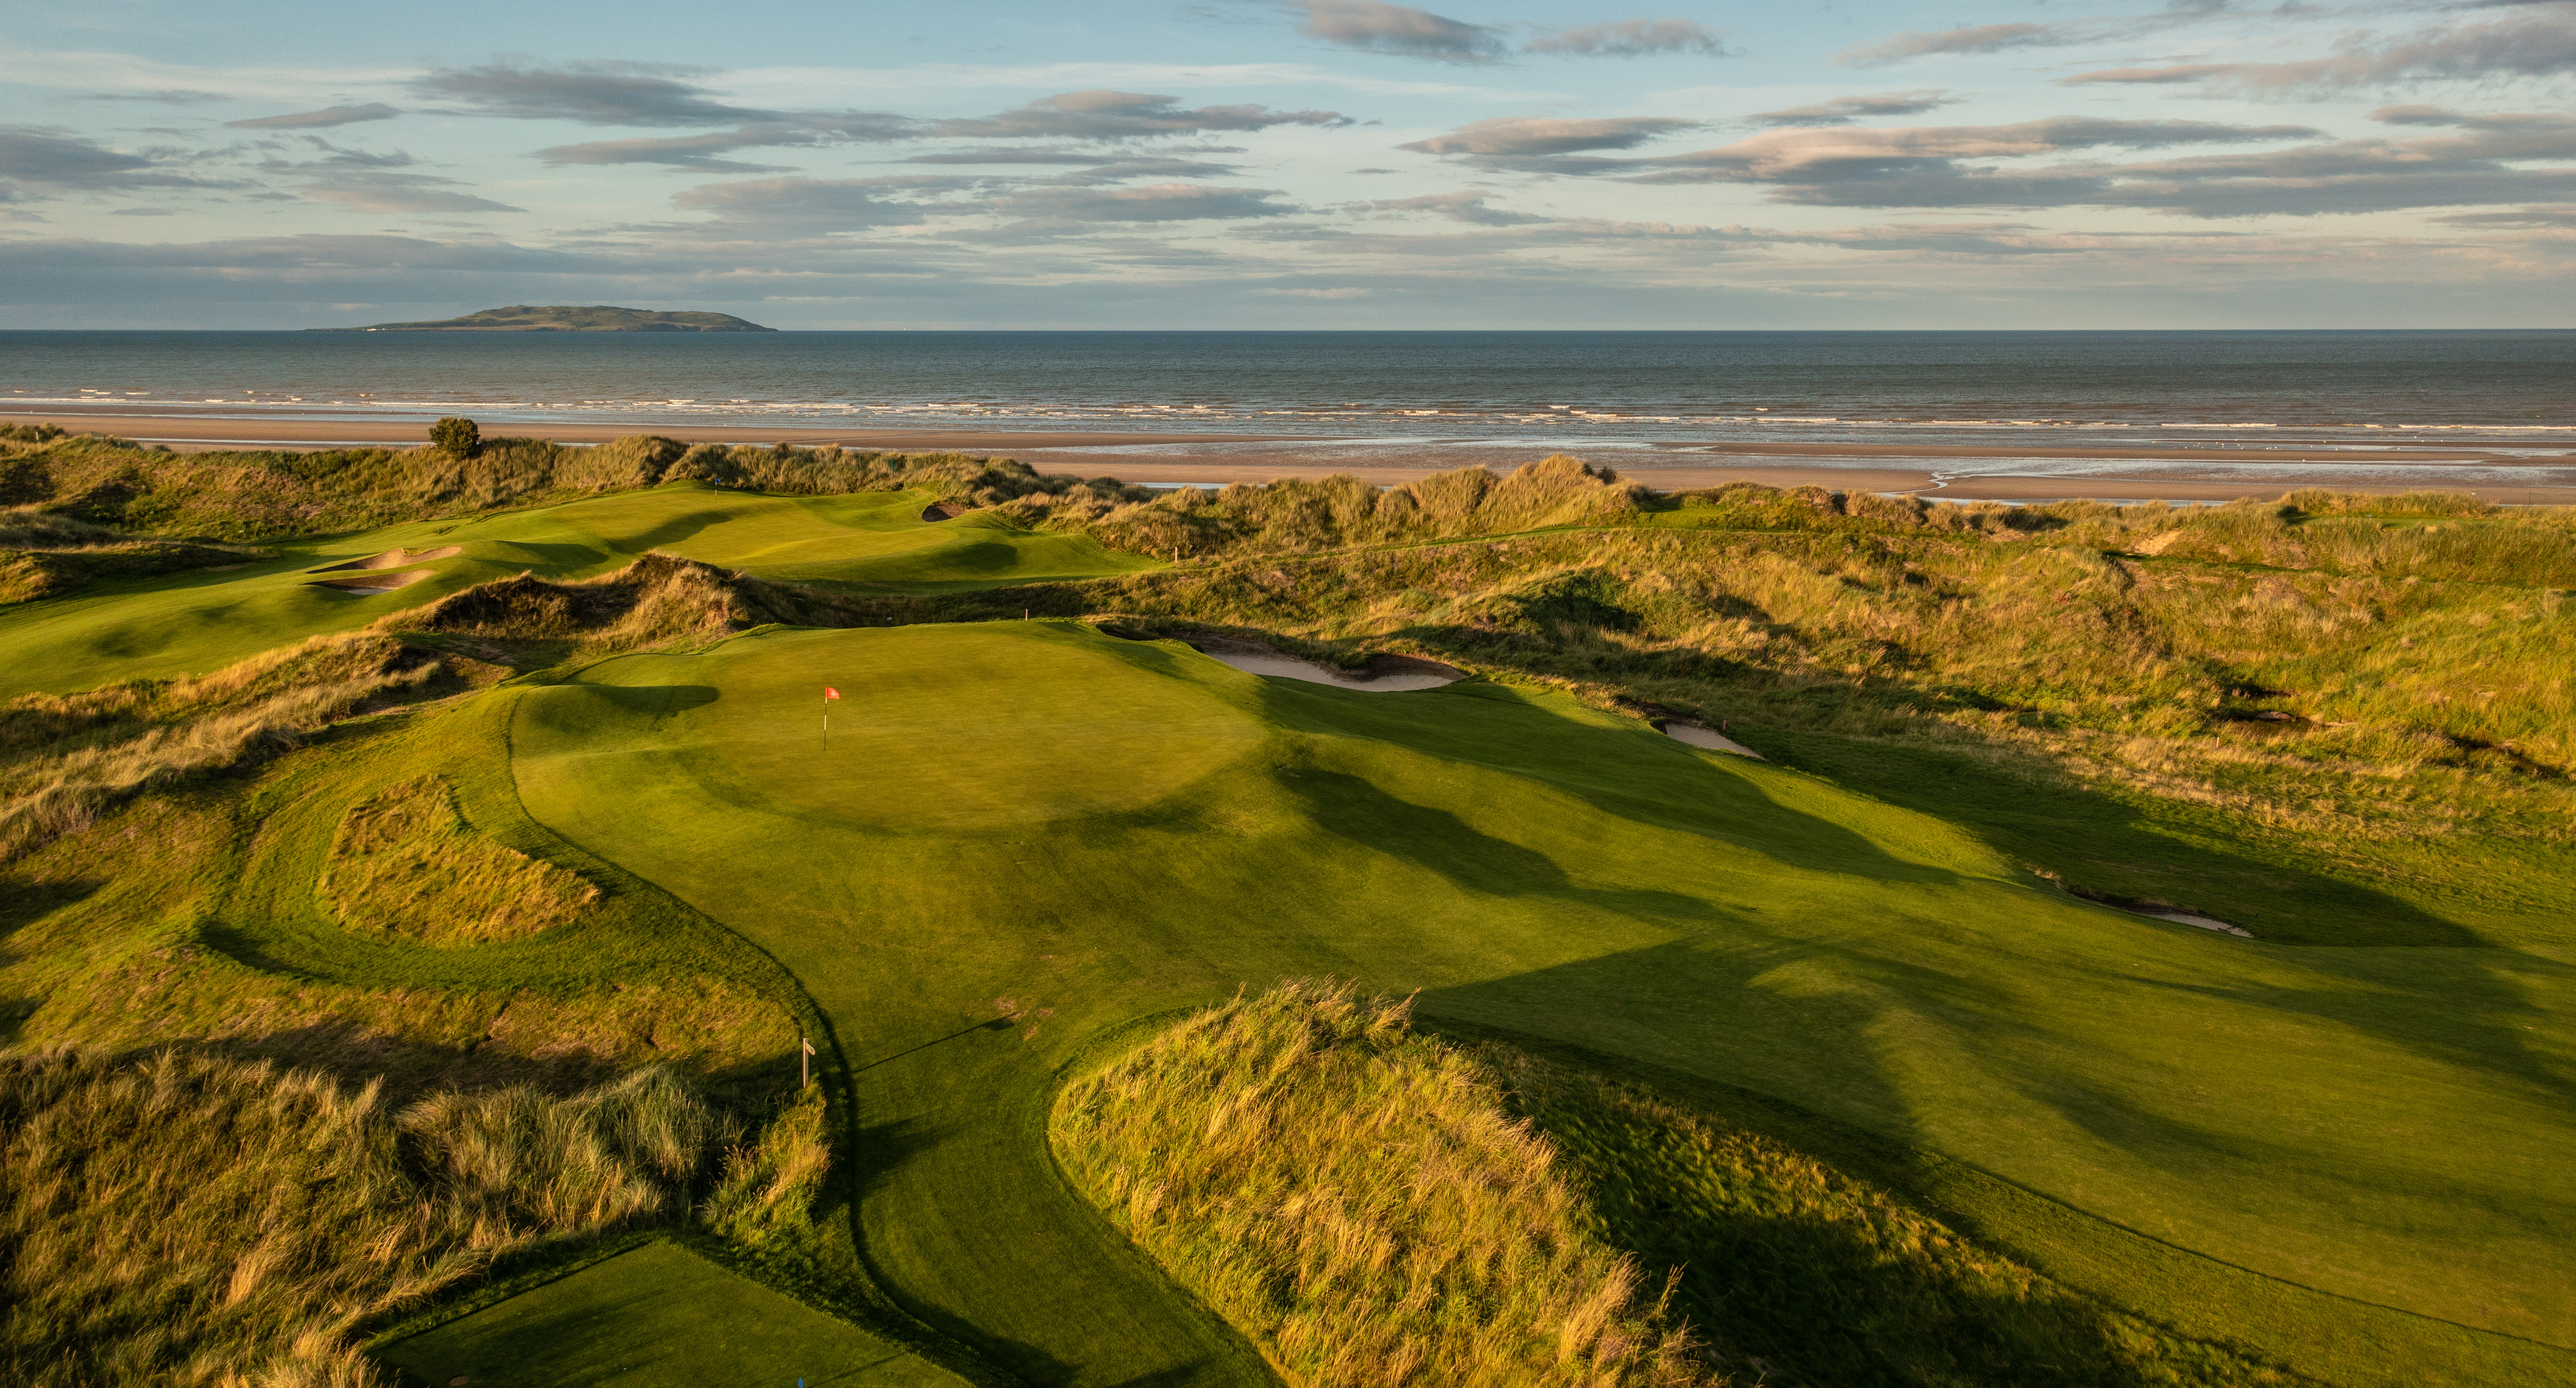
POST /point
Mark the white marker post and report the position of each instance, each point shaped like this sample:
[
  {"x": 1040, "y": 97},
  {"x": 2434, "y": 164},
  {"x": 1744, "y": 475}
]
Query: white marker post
[{"x": 805, "y": 1062}]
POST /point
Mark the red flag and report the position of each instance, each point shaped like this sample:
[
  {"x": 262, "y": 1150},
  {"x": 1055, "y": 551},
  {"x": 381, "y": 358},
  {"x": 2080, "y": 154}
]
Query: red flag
[{"x": 830, "y": 693}]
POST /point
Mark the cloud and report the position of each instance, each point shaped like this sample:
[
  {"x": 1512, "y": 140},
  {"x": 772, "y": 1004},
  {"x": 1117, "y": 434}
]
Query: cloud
[
  {"x": 1843, "y": 110},
  {"x": 1632, "y": 38},
  {"x": 2482, "y": 161},
  {"x": 700, "y": 152},
  {"x": 1457, "y": 207},
  {"x": 1881, "y": 155},
  {"x": 172, "y": 96},
  {"x": 2538, "y": 41},
  {"x": 1124, "y": 170},
  {"x": 1977, "y": 38},
  {"x": 1508, "y": 137},
  {"x": 398, "y": 193},
  {"x": 1373, "y": 26},
  {"x": 2525, "y": 218},
  {"x": 2149, "y": 76},
  {"x": 48, "y": 157},
  {"x": 1154, "y": 202},
  {"x": 843, "y": 202},
  {"x": 595, "y": 93},
  {"x": 1110, "y": 115},
  {"x": 324, "y": 119},
  {"x": 369, "y": 181}
]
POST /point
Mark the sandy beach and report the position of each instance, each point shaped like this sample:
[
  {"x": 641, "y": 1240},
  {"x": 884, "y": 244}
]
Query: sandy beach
[{"x": 2507, "y": 476}]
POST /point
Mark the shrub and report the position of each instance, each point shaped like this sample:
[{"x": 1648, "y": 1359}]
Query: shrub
[{"x": 456, "y": 436}]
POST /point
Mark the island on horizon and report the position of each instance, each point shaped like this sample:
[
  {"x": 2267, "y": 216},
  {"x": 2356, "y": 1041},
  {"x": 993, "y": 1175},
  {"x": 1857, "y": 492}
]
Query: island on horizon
[{"x": 569, "y": 318}]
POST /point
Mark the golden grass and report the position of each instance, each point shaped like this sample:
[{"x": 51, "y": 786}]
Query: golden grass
[
  {"x": 186, "y": 1220},
  {"x": 1358, "y": 1200},
  {"x": 406, "y": 864},
  {"x": 769, "y": 1185},
  {"x": 62, "y": 760}
]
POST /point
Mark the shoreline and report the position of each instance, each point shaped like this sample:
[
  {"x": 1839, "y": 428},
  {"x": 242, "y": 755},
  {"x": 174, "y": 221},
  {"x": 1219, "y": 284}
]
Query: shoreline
[{"x": 1935, "y": 471}]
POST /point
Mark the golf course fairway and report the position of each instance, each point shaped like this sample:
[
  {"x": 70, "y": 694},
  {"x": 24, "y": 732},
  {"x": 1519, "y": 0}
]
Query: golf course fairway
[
  {"x": 657, "y": 1317},
  {"x": 1018, "y": 838},
  {"x": 191, "y": 622}
]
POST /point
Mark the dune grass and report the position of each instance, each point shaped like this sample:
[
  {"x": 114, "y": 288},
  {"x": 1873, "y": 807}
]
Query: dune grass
[
  {"x": 1534, "y": 864},
  {"x": 405, "y": 863},
  {"x": 1358, "y": 1200},
  {"x": 189, "y": 1220}
]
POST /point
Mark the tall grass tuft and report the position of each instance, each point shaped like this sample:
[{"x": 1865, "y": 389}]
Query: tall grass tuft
[
  {"x": 770, "y": 1185},
  {"x": 405, "y": 863},
  {"x": 1357, "y": 1198},
  {"x": 185, "y": 1220}
]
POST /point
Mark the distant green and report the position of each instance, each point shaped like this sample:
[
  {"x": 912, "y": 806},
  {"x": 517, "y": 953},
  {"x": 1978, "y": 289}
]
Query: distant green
[
  {"x": 201, "y": 620},
  {"x": 654, "y": 1317}
]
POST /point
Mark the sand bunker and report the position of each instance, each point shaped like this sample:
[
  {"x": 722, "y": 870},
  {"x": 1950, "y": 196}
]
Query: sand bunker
[
  {"x": 940, "y": 511},
  {"x": 373, "y": 583},
  {"x": 1709, "y": 738},
  {"x": 1387, "y": 674},
  {"x": 392, "y": 559},
  {"x": 2163, "y": 913}
]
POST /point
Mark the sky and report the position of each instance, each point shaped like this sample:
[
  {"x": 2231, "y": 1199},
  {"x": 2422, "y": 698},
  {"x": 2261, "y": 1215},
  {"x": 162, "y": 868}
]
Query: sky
[{"x": 1295, "y": 163}]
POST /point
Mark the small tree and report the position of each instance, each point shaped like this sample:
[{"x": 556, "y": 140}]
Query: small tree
[{"x": 459, "y": 437}]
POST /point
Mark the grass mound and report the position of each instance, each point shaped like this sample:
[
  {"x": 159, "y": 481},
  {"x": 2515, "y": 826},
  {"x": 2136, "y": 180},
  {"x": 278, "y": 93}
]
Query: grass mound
[
  {"x": 1803, "y": 1275},
  {"x": 188, "y": 1220},
  {"x": 63, "y": 760},
  {"x": 1357, "y": 1198},
  {"x": 406, "y": 864}
]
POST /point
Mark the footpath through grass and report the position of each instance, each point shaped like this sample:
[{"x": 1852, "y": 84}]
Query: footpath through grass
[{"x": 1021, "y": 835}]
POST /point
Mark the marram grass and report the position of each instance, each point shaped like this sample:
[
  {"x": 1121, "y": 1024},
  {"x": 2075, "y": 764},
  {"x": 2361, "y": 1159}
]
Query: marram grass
[
  {"x": 185, "y": 1220},
  {"x": 406, "y": 864},
  {"x": 1355, "y": 1198}
]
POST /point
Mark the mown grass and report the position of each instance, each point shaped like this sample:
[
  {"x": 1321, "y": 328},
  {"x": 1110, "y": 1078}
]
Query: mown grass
[
  {"x": 190, "y": 1220},
  {"x": 1536, "y": 864},
  {"x": 406, "y": 863},
  {"x": 1358, "y": 1199}
]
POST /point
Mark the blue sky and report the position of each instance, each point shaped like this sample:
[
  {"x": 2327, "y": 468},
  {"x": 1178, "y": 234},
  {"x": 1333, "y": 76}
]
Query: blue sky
[{"x": 1321, "y": 163}]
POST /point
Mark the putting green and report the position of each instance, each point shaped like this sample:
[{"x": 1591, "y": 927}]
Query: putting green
[
  {"x": 189, "y": 623},
  {"x": 1114, "y": 829},
  {"x": 657, "y": 1317}
]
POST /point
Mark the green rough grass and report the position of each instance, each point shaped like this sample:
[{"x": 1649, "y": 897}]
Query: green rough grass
[
  {"x": 2378, "y": 1124},
  {"x": 406, "y": 863},
  {"x": 657, "y": 1317}
]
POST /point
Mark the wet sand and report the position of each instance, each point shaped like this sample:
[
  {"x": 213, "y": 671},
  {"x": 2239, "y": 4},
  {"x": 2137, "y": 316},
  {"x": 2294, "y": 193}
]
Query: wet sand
[{"x": 2517, "y": 475}]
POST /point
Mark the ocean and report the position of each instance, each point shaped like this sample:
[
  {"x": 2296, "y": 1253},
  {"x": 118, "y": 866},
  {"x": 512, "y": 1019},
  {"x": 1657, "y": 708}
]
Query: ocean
[{"x": 2357, "y": 390}]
